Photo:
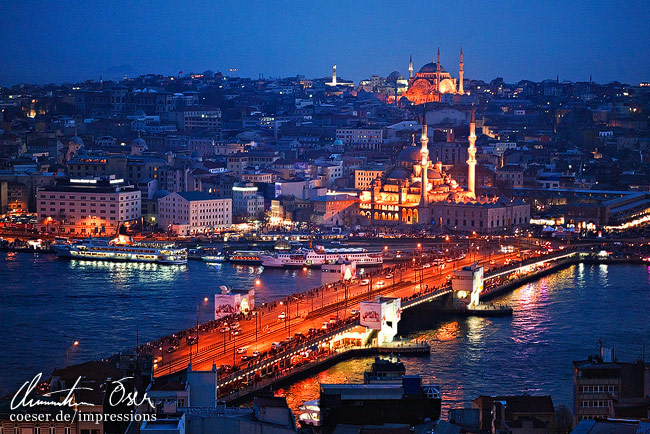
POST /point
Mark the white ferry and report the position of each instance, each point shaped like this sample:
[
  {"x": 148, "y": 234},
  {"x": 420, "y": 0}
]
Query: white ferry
[
  {"x": 124, "y": 250},
  {"x": 320, "y": 256},
  {"x": 216, "y": 258}
]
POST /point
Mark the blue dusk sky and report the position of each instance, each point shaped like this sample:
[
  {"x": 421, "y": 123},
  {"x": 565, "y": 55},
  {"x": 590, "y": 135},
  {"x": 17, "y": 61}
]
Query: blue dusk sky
[{"x": 55, "y": 41}]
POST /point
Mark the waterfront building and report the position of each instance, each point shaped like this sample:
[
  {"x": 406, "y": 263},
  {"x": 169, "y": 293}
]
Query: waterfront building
[
  {"x": 604, "y": 387},
  {"x": 191, "y": 212},
  {"x": 336, "y": 209},
  {"x": 87, "y": 206}
]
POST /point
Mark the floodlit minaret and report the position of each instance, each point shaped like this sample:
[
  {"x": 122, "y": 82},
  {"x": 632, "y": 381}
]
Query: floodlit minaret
[
  {"x": 424, "y": 151},
  {"x": 461, "y": 73},
  {"x": 411, "y": 66},
  {"x": 471, "y": 161},
  {"x": 334, "y": 76}
]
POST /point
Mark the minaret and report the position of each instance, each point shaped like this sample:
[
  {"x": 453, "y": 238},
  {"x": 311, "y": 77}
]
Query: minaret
[
  {"x": 471, "y": 161},
  {"x": 438, "y": 68},
  {"x": 461, "y": 73},
  {"x": 424, "y": 151},
  {"x": 334, "y": 76},
  {"x": 411, "y": 66}
]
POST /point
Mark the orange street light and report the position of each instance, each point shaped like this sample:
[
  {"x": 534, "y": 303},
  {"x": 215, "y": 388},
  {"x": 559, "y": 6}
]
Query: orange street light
[
  {"x": 258, "y": 282},
  {"x": 205, "y": 299},
  {"x": 304, "y": 268}
]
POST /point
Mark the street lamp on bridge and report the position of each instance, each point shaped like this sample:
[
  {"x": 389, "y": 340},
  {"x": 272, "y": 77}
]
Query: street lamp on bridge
[{"x": 67, "y": 351}]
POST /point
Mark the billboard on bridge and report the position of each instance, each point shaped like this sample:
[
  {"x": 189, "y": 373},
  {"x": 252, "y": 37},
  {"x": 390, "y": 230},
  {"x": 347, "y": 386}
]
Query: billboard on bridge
[
  {"x": 371, "y": 315},
  {"x": 224, "y": 305},
  {"x": 234, "y": 301}
]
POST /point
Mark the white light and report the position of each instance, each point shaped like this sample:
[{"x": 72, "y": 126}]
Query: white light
[{"x": 84, "y": 181}]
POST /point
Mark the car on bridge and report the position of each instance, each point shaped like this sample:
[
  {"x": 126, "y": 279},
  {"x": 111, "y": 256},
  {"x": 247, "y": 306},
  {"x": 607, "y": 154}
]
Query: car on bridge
[
  {"x": 282, "y": 315},
  {"x": 365, "y": 281},
  {"x": 242, "y": 350}
]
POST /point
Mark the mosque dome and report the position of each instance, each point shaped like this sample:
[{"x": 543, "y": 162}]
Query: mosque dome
[
  {"x": 433, "y": 174},
  {"x": 139, "y": 114},
  {"x": 399, "y": 174},
  {"x": 195, "y": 155},
  {"x": 409, "y": 154},
  {"x": 139, "y": 141},
  {"x": 393, "y": 76},
  {"x": 431, "y": 67},
  {"x": 337, "y": 142}
]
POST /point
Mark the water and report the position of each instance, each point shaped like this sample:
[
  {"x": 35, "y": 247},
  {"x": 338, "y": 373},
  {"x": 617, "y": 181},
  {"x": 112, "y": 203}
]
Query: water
[
  {"x": 556, "y": 320},
  {"x": 47, "y": 303}
]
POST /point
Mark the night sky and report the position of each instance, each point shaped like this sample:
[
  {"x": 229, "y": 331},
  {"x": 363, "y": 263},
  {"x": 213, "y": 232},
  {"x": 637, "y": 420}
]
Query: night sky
[{"x": 54, "y": 41}]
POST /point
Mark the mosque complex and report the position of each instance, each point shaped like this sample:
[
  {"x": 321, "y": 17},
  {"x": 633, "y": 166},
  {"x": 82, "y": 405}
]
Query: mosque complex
[{"x": 419, "y": 192}]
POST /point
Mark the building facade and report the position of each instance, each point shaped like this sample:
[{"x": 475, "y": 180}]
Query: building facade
[
  {"x": 246, "y": 201},
  {"x": 193, "y": 212},
  {"x": 87, "y": 206}
]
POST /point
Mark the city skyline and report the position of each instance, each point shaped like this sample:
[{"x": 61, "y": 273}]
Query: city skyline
[{"x": 60, "y": 44}]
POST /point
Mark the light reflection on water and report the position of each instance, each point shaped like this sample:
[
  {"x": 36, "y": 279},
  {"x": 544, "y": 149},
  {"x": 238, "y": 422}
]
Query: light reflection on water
[{"x": 556, "y": 320}]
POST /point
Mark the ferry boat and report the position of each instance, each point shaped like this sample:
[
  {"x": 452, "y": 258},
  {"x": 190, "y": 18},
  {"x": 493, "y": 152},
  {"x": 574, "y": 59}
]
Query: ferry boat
[
  {"x": 246, "y": 257},
  {"x": 219, "y": 257},
  {"x": 319, "y": 256},
  {"x": 123, "y": 250}
]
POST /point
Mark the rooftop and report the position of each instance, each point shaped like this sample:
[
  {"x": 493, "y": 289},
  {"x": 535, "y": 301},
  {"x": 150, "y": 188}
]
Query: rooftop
[{"x": 196, "y": 195}]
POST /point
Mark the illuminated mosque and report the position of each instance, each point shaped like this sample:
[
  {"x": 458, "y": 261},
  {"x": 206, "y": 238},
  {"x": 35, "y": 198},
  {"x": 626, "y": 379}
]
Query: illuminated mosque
[
  {"x": 419, "y": 192},
  {"x": 433, "y": 81}
]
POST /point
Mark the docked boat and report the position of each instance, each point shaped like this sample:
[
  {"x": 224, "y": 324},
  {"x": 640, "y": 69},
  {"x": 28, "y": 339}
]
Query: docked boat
[
  {"x": 217, "y": 258},
  {"x": 309, "y": 413},
  {"x": 124, "y": 250},
  {"x": 246, "y": 257},
  {"x": 319, "y": 256}
]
